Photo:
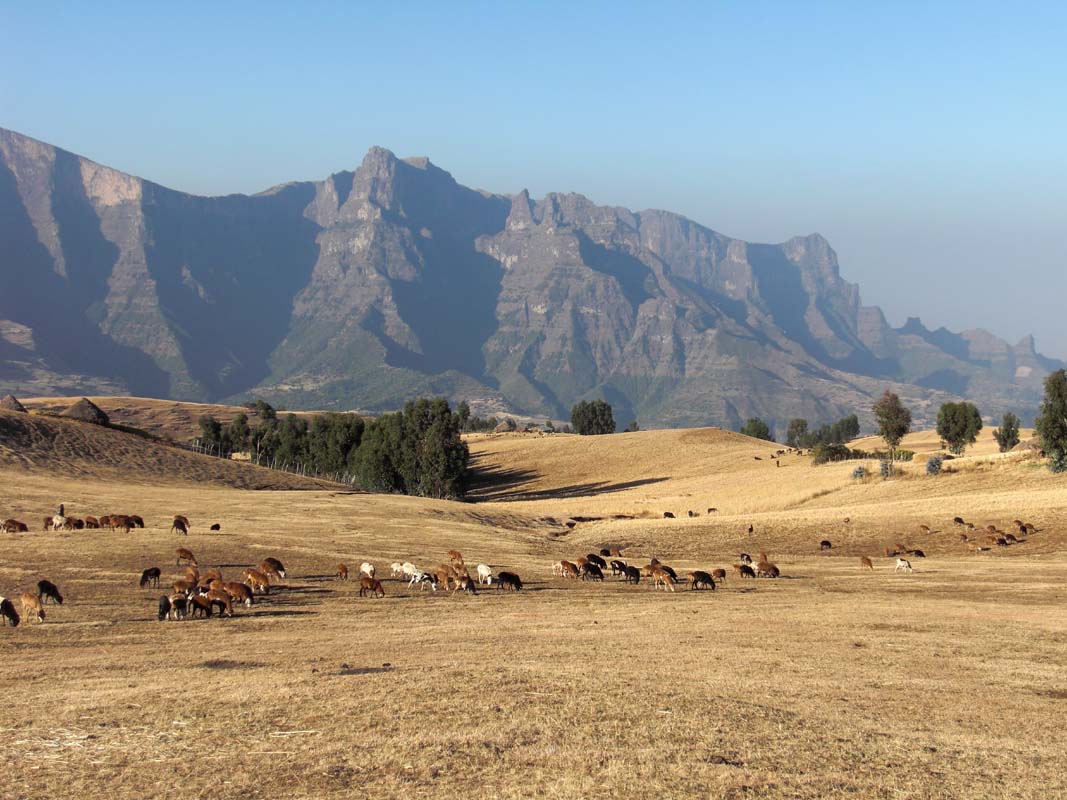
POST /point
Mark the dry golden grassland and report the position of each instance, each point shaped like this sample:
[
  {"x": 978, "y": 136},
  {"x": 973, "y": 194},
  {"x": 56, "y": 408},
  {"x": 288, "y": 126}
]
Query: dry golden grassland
[{"x": 830, "y": 682}]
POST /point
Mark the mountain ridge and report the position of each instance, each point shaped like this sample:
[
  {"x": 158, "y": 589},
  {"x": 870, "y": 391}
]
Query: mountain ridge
[{"x": 393, "y": 279}]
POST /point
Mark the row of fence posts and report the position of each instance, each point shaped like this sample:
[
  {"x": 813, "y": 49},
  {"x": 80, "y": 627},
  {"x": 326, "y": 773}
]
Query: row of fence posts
[{"x": 292, "y": 467}]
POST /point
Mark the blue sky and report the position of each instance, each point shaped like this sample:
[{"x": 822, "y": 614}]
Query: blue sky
[{"x": 927, "y": 142}]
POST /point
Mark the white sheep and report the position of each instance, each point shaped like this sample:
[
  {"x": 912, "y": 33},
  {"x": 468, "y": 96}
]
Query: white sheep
[
  {"x": 485, "y": 574},
  {"x": 366, "y": 568},
  {"x": 408, "y": 568},
  {"x": 398, "y": 569},
  {"x": 903, "y": 564}
]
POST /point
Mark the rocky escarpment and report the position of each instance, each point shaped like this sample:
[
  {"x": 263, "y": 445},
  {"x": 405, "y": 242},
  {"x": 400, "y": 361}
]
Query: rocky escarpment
[{"x": 393, "y": 280}]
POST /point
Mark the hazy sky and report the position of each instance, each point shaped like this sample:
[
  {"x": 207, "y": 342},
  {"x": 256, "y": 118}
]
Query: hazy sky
[{"x": 926, "y": 141}]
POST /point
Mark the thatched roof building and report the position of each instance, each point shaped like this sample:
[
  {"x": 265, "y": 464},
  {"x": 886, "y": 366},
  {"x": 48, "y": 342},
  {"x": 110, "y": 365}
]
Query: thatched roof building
[{"x": 87, "y": 411}]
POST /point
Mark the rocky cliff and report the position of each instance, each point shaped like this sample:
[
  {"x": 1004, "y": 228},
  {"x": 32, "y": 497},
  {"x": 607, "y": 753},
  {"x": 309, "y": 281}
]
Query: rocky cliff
[{"x": 394, "y": 280}]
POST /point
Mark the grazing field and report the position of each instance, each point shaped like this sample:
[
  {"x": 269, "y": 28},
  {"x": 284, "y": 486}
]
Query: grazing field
[{"x": 832, "y": 681}]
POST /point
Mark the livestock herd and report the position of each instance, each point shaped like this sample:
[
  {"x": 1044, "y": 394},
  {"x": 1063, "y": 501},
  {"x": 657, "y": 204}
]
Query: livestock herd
[{"x": 202, "y": 595}]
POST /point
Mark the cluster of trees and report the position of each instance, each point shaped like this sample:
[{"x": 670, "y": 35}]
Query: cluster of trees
[
  {"x": 415, "y": 451},
  {"x": 844, "y": 430},
  {"x": 1051, "y": 424},
  {"x": 757, "y": 429},
  {"x": 592, "y": 418}
]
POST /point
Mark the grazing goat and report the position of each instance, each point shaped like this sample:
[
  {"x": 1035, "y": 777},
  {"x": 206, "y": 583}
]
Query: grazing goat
[
  {"x": 455, "y": 556},
  {"x": 48, "y": 523},
  {"x": 692, "y": 514},
  {"x": 199, "y": 603},
  {"x": 120, "y": 522},
  {"x": 767, "y": 570},
  {"x": 46, "y": 590},
  {"x": 866, "y": 562},
  {"x": 185, "y": 555},
  {"x": 270, "y": 571},
  {"x": 485, "y": 574},
  {"x": 179, "y": 605},
  {"x": 917, "y": 553},
  {"x": 92, "y": 523},
  {"x": 668, "y": 515},
  {"x": 712, "y": 510},
  {"x": 184, "y": 520},
  {"x": 568, "y": 570},
  {"x": 510, "y": 580},
  {"x": 699, "y": 579},
  {"x": 1010, "y": 539},
  {"x": 366, "y": 568},
  {"x": 275, "y": 564},
  {"x": 137, "y": 522},
  {"x": 618, "y": 567},
  {"x": 31, "y": 603},
  {"x": 342, "y": 572},
  {"x": 14, "y": 526},
  {"x": 718, "y": 574},
  {"x": 661, "y": 577},
  {"x": 182, "y": 587},
  {"x": 164, "y": 607},
  {"x": 397, "y": 568},
  {"x": 903, "y": 564},
  {"x": 591, "y": 572},
  {"x": 223, "y": 600},
  {"x": 745, "y": 558},
  {"x": 825, "y": 544},
  {"x": 369, "y": 584},
  {"x": 409, "y": 569},
  {"x": 744, "y": 570},
  {"x": 8, "y": 612},
  {"x": 240, "y": 593},
  {"x": 958, "y": 521},
  {"x": 192, "y": 574},
  {"x": 257, "y": 580},
  {"x": 593, "y": 558},
  {"x": 422, "y": 578},
  {"x": 215, "y": 526},
  {"x": 605, "y": 552},
  {"x": 631, "y": 575},
  {"x": 150, "y": 576},
  {"x": 180, "y": 527}
]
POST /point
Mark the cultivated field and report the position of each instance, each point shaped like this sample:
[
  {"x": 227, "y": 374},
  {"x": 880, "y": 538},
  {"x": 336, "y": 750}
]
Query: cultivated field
[{"x": 832, "y": 681}]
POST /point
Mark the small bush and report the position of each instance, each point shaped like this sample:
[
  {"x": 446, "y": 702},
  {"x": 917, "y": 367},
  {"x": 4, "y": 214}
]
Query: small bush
[
  {"x": 859, "y": 473},
  {"x": 933, "y": 465}
]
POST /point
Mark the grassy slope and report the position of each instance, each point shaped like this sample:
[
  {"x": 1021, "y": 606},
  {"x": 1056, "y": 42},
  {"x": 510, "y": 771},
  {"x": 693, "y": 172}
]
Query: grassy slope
[{"x": 946, "y": 683}]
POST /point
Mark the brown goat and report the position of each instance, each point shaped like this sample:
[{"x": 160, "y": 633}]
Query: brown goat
[
  {"x": 455, "y": 556},
  {"x": 866, "y": 562},
  {"x": 92, "y": 522},
  {"x": 275, "y": 564},
  {"x": 342, "y": 572},
  {"x": 569, "y": 570},
  {"x": 31, "y": 603},
  {"x": 183, "y": 587},
  {"x": 14, "y": 526},
  {"x": 371, "y": 585},
  {"x": 192, "y": 574},
  {"x": 718, "y": 574},
  {"x": 185, "y": 555},
  {"x": 180, "y": 527},
  {"x": 218, "y": 597},
  {"x": 199, "y": 603},
  {"x": 257, "y": 580},
  {"x": 662, "y": 577},
  {"x": 240, "y": 592}
]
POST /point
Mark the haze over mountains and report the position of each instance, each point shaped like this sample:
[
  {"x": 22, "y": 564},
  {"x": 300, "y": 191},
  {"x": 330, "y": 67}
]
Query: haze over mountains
[{"x": 374, "y": 286}]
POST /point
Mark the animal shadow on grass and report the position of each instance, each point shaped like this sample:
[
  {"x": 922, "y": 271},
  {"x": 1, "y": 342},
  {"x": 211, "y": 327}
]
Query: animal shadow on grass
[
  {"x": 293, "y": 612},
  {"x": 223, "y": 663},
  {"x": 348, "y": 670}
]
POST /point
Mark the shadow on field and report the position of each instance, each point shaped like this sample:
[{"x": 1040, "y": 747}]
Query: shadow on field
[
  {"x": 497, "y": 484},
  {"x": 279, "y": 613}
]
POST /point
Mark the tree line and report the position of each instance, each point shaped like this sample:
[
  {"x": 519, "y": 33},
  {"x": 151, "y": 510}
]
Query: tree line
[{"x": 415, "y": 451}]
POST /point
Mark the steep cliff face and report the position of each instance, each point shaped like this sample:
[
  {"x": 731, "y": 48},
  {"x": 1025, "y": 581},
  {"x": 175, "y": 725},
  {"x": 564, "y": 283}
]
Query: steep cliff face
[{"x": 394, "y": 280}]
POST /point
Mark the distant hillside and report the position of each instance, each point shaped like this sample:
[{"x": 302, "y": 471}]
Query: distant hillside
[
  {"x": 65, "y": 447},
  {"x": 393, "y": 280}
]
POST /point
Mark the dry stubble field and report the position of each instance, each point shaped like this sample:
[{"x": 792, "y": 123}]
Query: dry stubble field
[{"x": 829, "y": 682}]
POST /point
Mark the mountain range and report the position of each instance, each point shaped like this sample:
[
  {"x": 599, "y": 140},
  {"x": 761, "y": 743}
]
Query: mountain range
[{"x": 391, "y": 281}]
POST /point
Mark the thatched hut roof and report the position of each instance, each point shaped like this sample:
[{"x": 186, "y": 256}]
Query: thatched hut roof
[
  {"x": 11, "y": 403},
  {"x": 87, "y": 411}
]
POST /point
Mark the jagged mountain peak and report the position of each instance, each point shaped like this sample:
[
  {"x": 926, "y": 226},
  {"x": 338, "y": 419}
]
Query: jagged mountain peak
[{"x": 392, "y": 279}]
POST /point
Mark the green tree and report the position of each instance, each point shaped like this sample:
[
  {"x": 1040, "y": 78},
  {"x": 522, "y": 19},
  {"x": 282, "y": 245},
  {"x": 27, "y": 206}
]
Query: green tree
[
  {"x": 239, "y": 433},
  {"x": 894, "y": 419},
  {"x": 1052, "y": 423},
  {"x": 958, "y": 425},
  {"x": 633, "y": 426},
  {"x": 463, "y": 415},
  {"x": 1007, "y": 435},
  {"x": 592, "y": 419},
  {"x": 757, "y": 429},
  {"x": 210, "y": 431},
  {"x": 798, "y": 429}
]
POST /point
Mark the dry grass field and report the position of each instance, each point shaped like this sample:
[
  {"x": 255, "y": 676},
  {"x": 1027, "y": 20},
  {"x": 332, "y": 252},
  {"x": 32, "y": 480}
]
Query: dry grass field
[{"x": 829, "y": 682}]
